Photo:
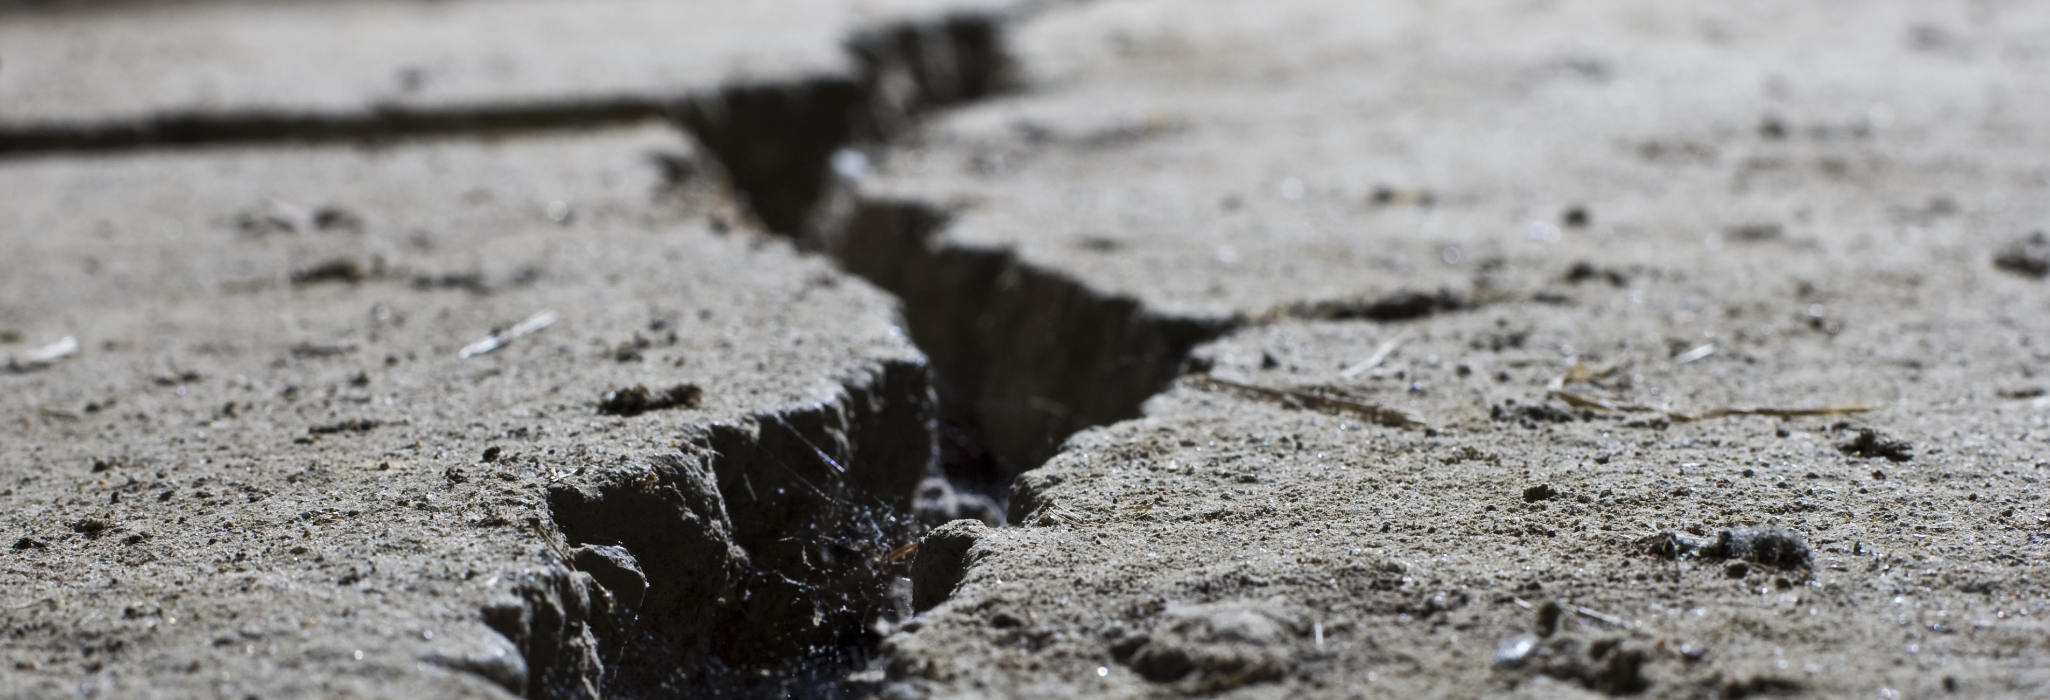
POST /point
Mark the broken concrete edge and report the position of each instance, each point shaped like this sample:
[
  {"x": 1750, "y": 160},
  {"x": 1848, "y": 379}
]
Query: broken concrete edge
[
  {"x": 764, "y": 545},
  {"x": 1031, "y": 355},
  {"x": 777, "y": 142}
]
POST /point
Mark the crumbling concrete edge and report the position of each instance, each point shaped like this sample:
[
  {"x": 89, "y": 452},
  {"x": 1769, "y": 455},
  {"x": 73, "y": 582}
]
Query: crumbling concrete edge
[{"x": 765, "y": 543}]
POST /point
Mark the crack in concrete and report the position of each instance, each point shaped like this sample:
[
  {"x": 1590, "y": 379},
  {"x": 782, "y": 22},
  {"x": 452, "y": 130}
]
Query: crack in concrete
[{"x": 774, "y": 554}]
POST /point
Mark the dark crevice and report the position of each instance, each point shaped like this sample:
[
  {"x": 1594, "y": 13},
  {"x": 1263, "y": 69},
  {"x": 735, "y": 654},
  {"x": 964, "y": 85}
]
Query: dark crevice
[
  {"x": 381, "y": 124},
  {"x": 761, "y": 567},
  {"x": 1027, "y": 357},
  {"x": 777, "y": 142},
  {"x": 767, "y": 554}
]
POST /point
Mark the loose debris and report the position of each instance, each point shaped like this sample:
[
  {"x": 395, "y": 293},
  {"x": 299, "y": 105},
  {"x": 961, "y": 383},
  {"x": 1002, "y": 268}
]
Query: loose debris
[
  {"x": 638, "y": 399},
  {"x": 1380, "y": 355},
  {"x": 44, "y": 356},
  {"x": 1609, "y": 665},
  {"x": 285, "y": 217},
  {"x": 1768, "y": 546},
  {"x": 1869, "y": 443},
  {"x": 352, "y": 425},
  {"x": 2028, "y": 257},
  {"x": 498, "y": 339},
  {"x": 348, "y": 270},
  {"x": 1398, "y": 306},
  {"x": 1530, "y": 415},
  {"x": 1584, "y": 271},
  {"x": 1556, "y": 388},
  {"x": 92, "y": 527},
  {"x": 1695, "y": 354},
  {"x": 1319, "y": 400}
]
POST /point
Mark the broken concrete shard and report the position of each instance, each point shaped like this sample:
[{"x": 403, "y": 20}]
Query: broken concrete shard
[
  {"x": 637, "y": 399},
  {"x": 346, "y": 270}
]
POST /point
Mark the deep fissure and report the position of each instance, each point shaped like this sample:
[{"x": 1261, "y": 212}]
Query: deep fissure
[
  {"x": 1020, "y": 358},
  {"x": 759, "y": 567},
  {"x": 759, "y": 561}
]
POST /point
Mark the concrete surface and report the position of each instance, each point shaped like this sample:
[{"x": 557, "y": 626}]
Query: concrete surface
[
  {"x": 1540, "y": 349},
  {"x": 1748, "y": 206},
  {"x": 1397, "y": 159},
  {"x": 269, "y": 470}
]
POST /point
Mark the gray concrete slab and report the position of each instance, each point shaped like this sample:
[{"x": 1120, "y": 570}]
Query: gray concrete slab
[
  {"x": 285, "y": 457},
  {"x": 1192, "y": 169},
  {"x": 1289, "y": 539},
  {"x": 1777, "y": 208}
]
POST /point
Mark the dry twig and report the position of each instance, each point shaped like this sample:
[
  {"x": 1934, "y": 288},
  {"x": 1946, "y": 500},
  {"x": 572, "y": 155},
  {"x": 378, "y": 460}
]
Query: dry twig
[{"x": 1375, "y": 413}]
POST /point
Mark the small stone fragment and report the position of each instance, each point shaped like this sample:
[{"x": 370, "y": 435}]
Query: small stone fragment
[
  {"x": 638, "y": 399},
  {"x": 345, "y": 270},
  {"x": 1774, "y": 547},
  {"x": 1869, "y": 443},
  {"x": 2028, "y": 256}
]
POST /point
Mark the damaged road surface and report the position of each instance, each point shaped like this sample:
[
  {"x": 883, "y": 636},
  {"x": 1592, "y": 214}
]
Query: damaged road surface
[
  {"x": 202, "y": 505},
  {"x": 1415, "y": 348},
  {"x": 449, "y": 367},
  {"x": 1560, "y": 350}
]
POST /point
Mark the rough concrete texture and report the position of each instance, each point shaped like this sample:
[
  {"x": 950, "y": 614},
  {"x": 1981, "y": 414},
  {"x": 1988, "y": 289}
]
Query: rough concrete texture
[
  {"x": 1179, "y": 169},
  {"x": 1744, "y": 206},
  {"x": 1544, "y": 349},
  {"x": 269, "y": 470}
]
